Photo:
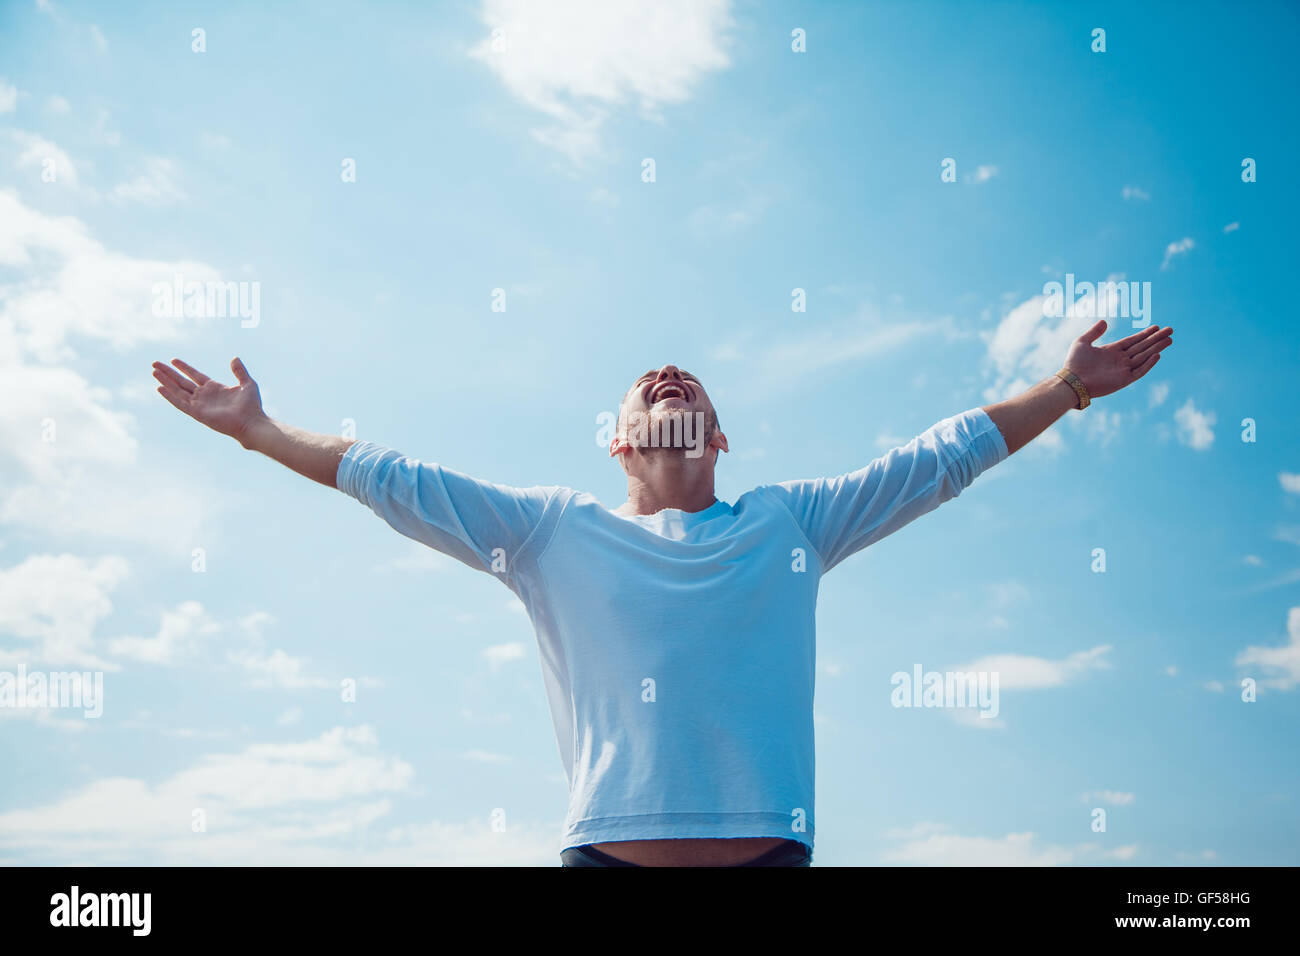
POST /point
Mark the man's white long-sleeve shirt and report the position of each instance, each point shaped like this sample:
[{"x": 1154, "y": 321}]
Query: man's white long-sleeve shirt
[{"x": 678, "y": 649}]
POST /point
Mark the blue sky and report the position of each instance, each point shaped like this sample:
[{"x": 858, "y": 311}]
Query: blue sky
[{"x": 519, "y": 166}]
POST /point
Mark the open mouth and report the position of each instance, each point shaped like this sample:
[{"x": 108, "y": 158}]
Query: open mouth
[{"x": 666, "y": 390}]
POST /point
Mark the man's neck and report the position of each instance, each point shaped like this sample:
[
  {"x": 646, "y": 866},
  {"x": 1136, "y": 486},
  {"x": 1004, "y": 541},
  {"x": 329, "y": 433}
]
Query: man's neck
[{"x": 685, "y": 492}]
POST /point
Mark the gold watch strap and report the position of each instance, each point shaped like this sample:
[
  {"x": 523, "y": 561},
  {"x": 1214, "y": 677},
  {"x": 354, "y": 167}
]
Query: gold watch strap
[{"x": 1075, "y": 383}]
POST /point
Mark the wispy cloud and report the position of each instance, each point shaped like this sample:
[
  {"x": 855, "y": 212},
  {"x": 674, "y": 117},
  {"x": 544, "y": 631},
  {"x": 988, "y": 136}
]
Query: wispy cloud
[
  {"x": 1116, "y": 798},
  {"x": 1177, "y": 249},
  {"x": 8, "y": 96},
  {"x": 579, "y": 61},
  {"x": 155, "y": 186},
  {"x": 1025, "y": 672},
  {"x": 715, "y": 219},
  {"x": 859, "y": 338},
  {"x": 933, "y": 845},
  {"x": 1279, "y": 663},
  {"x": 179, "y": 634},
  {"x": 44, "y": 160},
  {"x": 52, "y": 604},
  {"x": 981, "y": 175},
  {"x": 499, "y": 654},
  {"x": 1194, "y": 428}
]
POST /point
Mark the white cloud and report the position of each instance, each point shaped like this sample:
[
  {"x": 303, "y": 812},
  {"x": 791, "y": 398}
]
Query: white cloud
[
  {"x": 315, "y": 802},
  {"x": 1137, "y": 194},
  {"x": 101, "y": 132},
  {"x": 51, "y": 605},
  {"x": 106, "y": 504},
  {"x": 499, "y": 654},
  {"x": 1159, "y": 392},
  {"x": 1289, "y": 482},
  {"x": 1253, "y": 560},
  {"x": 77, "y": 453},
  {"x": 1027, "y": 345},
  {"x": 52, "y": 418},
  {"x": 75, "y": 286},
  {"x": 604, "y": 197},
  {"x": 1024, "y": 672},
  {"x": 156, "y": 186},
  {"x": 1177, "y": 249},
  {"x": 720, "y": 219},
  {"x": 948, "y": 849},
  {"x": 1232, "y": 227},
  {"x": 275, "y": 669},
  {"x": 58, "y": 105},
  {"x": 823, "y": 346},
  {"x": 36, "y": 153},
  {"x": 1280, "y": 663},
  {"x": 8, "y": 96},
  {"x": 982, "y": 174},
  {"x": 1194, "y": 429},
  {"x": 75, "y": 27},
  {"x": 1116, "y": 798},
  {"x": 483, "y": 756},
  {"x": 418, "y": 558},
  {"x": 578, "y": 61},
  {"x": 1009, "y": 593},
  {"x": 179, "y": 635}
]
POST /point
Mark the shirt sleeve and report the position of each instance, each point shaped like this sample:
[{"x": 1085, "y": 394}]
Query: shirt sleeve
[
  {"x": 841, "y": 516},
  {"x": 473, "y": 521}
]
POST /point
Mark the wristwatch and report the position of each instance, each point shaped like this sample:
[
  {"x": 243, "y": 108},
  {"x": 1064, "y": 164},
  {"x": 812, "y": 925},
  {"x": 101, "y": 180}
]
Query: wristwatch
[{"x": 1076, "y": 383}]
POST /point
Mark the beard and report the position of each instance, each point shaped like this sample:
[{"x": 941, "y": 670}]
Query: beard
[{"x": 670, "y": 430}]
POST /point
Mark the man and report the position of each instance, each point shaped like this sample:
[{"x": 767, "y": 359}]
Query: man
[{"x": 676, "y": 631}]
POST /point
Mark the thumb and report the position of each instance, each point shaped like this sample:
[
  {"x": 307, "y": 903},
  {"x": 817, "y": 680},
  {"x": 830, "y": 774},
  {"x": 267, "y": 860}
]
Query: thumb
[
  {"x": 1094, "y": 333},
  {"x": 241, "y": 373}
]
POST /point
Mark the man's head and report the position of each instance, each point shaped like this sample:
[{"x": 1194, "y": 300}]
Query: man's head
[{"x": 666, "y": 412}]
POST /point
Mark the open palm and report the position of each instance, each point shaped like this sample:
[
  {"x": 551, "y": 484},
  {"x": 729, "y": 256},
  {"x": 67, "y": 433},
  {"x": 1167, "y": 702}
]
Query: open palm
[
  {"x": 228, "y": 409},
  {"x": 1108, "y": 368}
]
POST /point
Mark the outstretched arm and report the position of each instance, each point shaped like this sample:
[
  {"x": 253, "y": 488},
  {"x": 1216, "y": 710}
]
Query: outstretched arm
[
  {"x": 1103, "y": 370},
  {"x": 236, "y": 410},
  {"x": 842, "y": 515},
  {"x": 484, "y": 525}
]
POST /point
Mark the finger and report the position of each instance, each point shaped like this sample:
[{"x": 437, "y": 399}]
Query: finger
[
  {"x": 175, "y": 397},
  {"x": 1136, "y": 338},
  {"x": 1146, "y": 366},
  {"x": 168, "y": 377},
  {"x": 1094, "y": 333},
  {"x": 241, "y": 373},
  {"x": 190, "y": 371},
  {"x": 1157, "y": 344}
]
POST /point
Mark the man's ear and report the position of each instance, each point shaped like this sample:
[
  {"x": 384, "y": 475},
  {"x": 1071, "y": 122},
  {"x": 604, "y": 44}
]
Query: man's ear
[
  {"x": 719, "y": 441},
  {"x": 619, "y": 449}
]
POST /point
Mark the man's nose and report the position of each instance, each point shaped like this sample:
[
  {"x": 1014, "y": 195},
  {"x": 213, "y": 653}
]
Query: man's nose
[{"x": 668, "y": 373}]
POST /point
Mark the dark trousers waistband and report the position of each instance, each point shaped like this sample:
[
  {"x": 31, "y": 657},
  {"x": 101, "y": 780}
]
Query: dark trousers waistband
[{"x": 789, "y": 853}]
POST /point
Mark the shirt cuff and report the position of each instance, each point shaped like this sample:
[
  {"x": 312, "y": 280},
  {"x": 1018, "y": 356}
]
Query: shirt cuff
[
  {"x": 353, "y": 467},
  {"x": 986, "y": 438}
]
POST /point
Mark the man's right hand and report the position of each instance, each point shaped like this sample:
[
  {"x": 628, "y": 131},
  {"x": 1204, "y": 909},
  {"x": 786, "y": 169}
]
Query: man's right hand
[{"x": 230, "y": 409}]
